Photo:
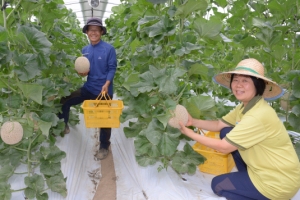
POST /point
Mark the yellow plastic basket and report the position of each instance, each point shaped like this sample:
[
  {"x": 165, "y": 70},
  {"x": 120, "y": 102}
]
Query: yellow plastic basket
[
  {"x": 103, "y": 113},
  {"x": 216, "y": 163}
]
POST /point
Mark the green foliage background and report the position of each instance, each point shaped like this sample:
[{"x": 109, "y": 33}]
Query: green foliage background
[
  {"x": 169, "y": 51},
  {"x": 39, "y": 42}
]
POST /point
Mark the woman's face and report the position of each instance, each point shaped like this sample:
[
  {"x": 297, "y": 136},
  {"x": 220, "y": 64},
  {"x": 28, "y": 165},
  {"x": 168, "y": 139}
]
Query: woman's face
[
  {"x": 94, "y": 34},
  {"x": 243, "y": 88}
]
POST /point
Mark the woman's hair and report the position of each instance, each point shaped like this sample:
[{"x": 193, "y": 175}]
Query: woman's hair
[{"x": 259, "y": 84}]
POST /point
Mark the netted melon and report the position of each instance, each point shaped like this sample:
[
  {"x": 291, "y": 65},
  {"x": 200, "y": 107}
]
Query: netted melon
[
  {"x": 180, "y": 114},
  {"x": 82, "y": 65},
  {"x": 11, "y": 132},
  {"x": 35, "y": 123}
]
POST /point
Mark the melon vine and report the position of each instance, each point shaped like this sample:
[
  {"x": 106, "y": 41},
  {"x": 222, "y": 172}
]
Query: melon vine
[
  {"x": 40, "y": 41},
  {"x": 169, "y": 51}
]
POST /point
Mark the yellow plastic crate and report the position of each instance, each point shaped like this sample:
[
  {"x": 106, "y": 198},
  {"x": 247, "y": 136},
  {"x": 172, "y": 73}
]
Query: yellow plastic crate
[
  {"x": 102, "y": 113},
  {"x": 216, "y": 163}
]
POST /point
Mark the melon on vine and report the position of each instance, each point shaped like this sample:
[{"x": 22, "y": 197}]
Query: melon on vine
[
  {"x": 82, "y": 65},
  {"x": 35, "y": 123},
  {"x": 285, "y": 102},
  {"x": 180, "y": 114},
  {"x": 11, "y": 132}
]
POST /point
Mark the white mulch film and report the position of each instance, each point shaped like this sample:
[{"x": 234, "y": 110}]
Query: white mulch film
[
  {"x": 79, "y": 167},
  {"x": 133, "y": 181}
]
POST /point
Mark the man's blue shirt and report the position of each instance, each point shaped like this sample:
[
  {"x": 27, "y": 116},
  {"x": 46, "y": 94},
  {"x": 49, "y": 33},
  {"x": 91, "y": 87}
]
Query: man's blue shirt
[{"x": 103, "y": 65}]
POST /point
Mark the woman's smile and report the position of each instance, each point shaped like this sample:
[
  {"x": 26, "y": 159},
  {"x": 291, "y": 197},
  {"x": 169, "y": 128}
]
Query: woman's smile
[{"x": 243, "y": 88}]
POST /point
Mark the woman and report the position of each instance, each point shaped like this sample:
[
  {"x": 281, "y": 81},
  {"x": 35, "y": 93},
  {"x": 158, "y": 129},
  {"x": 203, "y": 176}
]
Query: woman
[{"x": 268, "y": 166}]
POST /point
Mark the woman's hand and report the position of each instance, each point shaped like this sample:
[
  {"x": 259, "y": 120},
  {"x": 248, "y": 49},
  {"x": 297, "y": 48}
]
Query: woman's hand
[
  {"x": 186, "y": 131},
  {"x": 190, "y": 120},
  {"x": 183, "y": 128}
]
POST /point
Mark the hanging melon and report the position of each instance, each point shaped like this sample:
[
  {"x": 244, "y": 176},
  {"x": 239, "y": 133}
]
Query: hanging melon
[
  {"x": 35, "y": 123},
  {"x": 82, "y": 65},
  {"x": 179, "y": 114},
  {"x": 11, "y": 132},
  {"x": 285, "y": 102}
]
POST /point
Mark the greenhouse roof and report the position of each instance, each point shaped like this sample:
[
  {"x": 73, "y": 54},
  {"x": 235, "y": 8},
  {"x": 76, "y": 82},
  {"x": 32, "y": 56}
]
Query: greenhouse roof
[{"x": 84, "y": 9}]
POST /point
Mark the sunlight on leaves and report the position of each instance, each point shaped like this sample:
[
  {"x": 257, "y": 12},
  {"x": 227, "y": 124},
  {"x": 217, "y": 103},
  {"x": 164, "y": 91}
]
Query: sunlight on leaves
[
  {"x": 32, "y": 91},
  {"x": 189, "y": 7}
]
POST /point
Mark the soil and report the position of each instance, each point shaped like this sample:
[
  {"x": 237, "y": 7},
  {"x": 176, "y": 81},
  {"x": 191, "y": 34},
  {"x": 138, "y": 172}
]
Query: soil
[{"x": 106, "y": 189}]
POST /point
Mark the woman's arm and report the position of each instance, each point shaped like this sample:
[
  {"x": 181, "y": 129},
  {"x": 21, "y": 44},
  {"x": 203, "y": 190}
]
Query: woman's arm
[
  {"x": 220, "y": 145},
  {"x": 216, "y": 125}
]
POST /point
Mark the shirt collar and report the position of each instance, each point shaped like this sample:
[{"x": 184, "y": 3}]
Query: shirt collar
[{"x": 251, "y": 103}]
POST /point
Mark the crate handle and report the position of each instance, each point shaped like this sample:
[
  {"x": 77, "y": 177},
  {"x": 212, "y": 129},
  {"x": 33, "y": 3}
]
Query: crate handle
[
  {"x": 100, "y": 96},
  {"x": 200, "y": 131}
]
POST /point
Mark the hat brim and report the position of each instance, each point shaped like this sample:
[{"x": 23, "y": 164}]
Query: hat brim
[
  {"x": 272, "y": 92},
  {"x": 84, "y": 29}
]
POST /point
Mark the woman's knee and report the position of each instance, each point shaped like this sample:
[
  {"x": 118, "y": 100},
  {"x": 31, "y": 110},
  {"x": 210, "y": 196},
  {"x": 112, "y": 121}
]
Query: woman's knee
[
  {"x": 221, "y": 183},
  {"x": 215, "y": 185},
  {"x": 214, "y": 182}
]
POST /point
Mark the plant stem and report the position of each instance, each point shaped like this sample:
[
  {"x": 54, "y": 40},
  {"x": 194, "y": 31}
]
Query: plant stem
[
  {"x": 29, "y": 154},
  {"x": 19, "y": 149},
  {"x": 9, "y": 87},
  {"x": 44, "y": 190},
  {"x": 4, "y": 14},
  {"x": 178, "y": 174},
  {"x": 18, "y": 190},
  {"x": 3, "y": 150},
  {"x": 20, "y": 173},
  {"x": 12, "y": 10},
  {"x": 180, "y": 94},
  {"x": 33, "y": 161}
]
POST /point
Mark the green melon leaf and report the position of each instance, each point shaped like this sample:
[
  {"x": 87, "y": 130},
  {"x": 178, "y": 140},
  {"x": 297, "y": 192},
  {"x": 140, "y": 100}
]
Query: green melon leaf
[
  {"x": 57, "y": 184},
  {"x": 5, "y": 191},
  {"x": 145, "y": 161},
  {"x": 189, "y": 7},
  {"x": 32, "y": 91},
  {"x": 35, "y": 182}
]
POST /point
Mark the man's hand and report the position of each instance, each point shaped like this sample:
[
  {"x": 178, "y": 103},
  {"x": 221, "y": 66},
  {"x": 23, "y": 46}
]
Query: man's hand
[
  {"x": 83, "y": 74},
  {"x": 105, "y": 87}
]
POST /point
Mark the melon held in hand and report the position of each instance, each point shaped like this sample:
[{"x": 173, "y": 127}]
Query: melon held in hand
[
  {"x": 11, "y": 132},
  {"x": 82, "y": 65},
  {"x": 180, "y": 114}
]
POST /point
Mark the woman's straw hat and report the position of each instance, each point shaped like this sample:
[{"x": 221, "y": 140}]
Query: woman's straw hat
[{"x": 251, "y": 67}]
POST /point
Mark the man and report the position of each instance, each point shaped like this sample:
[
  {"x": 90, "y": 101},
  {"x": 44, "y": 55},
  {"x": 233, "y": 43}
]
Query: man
[{"x": 103, "y": 64}]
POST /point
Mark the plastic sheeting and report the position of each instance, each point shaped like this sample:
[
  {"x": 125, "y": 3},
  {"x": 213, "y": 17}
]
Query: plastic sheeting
[
  {"x": 133, "y": 182},
  {"x": 146, "y": 183},
  {"x": 82, "y": 171}
]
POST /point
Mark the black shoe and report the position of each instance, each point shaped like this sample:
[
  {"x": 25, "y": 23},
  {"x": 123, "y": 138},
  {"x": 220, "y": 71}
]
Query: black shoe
[
  {"x": 101, "y": 154},
  {"x": 67, "y": 129}
]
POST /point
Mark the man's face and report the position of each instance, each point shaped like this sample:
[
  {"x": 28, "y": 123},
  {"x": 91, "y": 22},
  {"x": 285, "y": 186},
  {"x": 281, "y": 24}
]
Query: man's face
[{"x": 94, "y": 34}]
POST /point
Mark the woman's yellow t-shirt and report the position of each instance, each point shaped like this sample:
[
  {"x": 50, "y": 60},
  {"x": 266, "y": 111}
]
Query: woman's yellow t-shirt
[{"x": 266, "y": 148}]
